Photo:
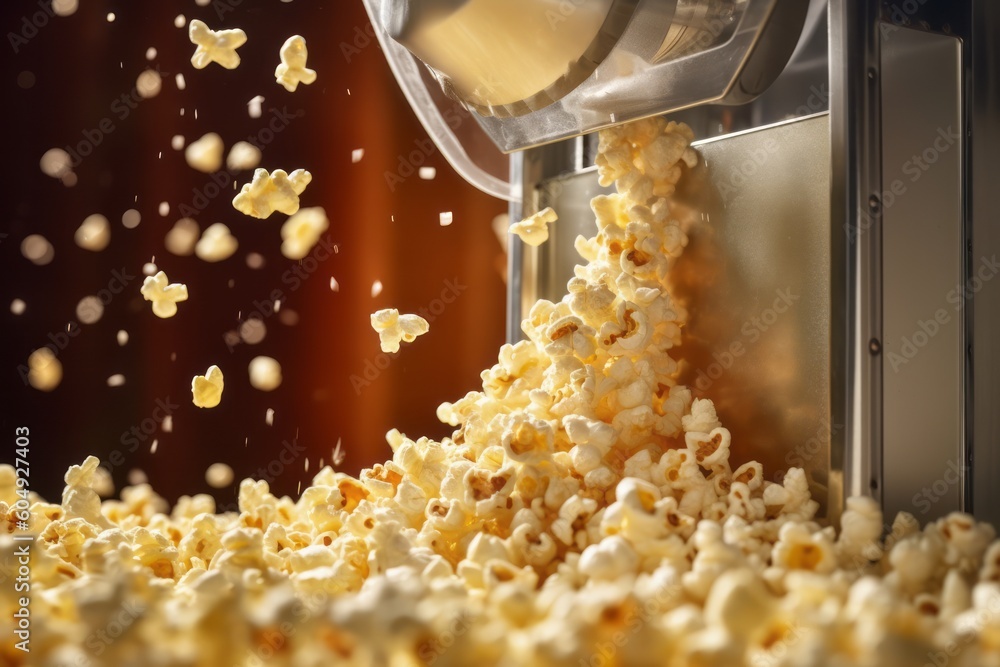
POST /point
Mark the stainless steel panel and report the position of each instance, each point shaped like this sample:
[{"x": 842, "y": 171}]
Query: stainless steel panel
[
  {"x": 855, "y": 364},
  {"x": 984, "y": 211},
  {"x": 757, "y": 276},
  {"x": 922, "y": 266}
]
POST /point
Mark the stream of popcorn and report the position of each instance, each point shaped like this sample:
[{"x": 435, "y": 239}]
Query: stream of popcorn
[{"x": 585, "y": 511}]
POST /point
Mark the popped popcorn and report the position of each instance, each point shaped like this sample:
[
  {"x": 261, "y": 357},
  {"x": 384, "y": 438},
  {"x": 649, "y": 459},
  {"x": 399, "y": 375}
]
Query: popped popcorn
[
  {"x": 394, "y": 328},
  {"x": 586, "y": 509},
  {"x": 206, "y": 390},
  {"x": 94, "y": 233},
  {"x": 215, "y": 46},
  {"x": 265, "y": 373},
  {"x": 182, "y": 237},
  {"x": 270, "y": 192},
  {"x": 164, "y": 295},
  {"x": 243, "y": 155},
  {"x": 216, "y": 243},
  {"x": 292, "y": 71},
  {"x": 44, "y": 369},
  {"x": 302, "y": 231},
  {"x": 534, "y": 230},
  {"x": 205, "y": 154}
]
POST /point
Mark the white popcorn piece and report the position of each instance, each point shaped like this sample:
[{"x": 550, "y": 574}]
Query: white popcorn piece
[
  {"x": 94, "y": 233},
  {"x": 45, "y": 371},
  {"x": 164, "y": 295},
  {"x": 216, "y": 243},
  {"x": 242, "y": 156},
  {"x": 270, "y": 192},
  {"x": 292, "y": 71},
  {"x": 265, "y": 373},
  {"x": 182, "y": 237},
  {"x": 206, "y": 390},
  {"x": 393, "y": 328},
  {"x": 534, "y": 230},
  {"x": 301, "y": 232},
  {"x": 215, "y": 46},
  {"x": 205, "y": 154},
  {"x": 709, "y": 448}
]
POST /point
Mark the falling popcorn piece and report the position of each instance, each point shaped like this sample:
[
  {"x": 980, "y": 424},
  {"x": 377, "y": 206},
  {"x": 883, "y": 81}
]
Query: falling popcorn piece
[
  {"x": 205, "y": 155},
  {"x": 182, "y": 237},
  {"x": 394, "y": 328},
  {"x": 164, "y": 296},
  {"x": 302, "y": 231},
  {"x": 219, "y": 475},
  {"x": 267, "y": 193},
  {"x": 242, "y": 156},
  {"x": 215, "y": 46},
  {"x": 94, "y": 234},
  {"x": 206, "y": 390},
  {"x": 216, "y": 244},
  {"x": 292, "y": 71},
  {"x": 535, "y": 230},
  {"x": 44, "y": 370},
  {"x": 265, "y": 373}
]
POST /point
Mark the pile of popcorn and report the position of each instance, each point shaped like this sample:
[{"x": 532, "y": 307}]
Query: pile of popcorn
[{"x": 585, "y": 511}]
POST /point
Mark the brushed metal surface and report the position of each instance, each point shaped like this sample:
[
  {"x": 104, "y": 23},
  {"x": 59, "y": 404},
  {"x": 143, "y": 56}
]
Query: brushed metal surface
[
  {"x": 756, "y": 276},
  {"x": 984, "y": 210},
  {"x": 923, "y": 252}
]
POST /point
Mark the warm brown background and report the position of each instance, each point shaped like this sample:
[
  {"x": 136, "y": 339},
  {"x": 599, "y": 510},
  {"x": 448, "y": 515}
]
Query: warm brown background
[{"x": 77, "y": 66}]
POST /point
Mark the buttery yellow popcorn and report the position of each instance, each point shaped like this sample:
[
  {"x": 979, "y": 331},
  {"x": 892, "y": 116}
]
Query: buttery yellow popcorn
[
  {"x": 206, "y": 390},
  {"x": 205, "y": 154},
  {"x": 302, "y": 231},
  {"x": 44, "y": 369},
  {"x": 164, "y": 295},
  {"x": 267, "y": 193},
  {"x": 216, "y": 243},
  {"x": 584, "y": 510},
  {"x": 534, "y": 230},
  {"x": 94, "y": 233},
  {"x": 394, "y": 328},
  {"x": 215, "y": 46},
  {"x": 292, "y": 71}
]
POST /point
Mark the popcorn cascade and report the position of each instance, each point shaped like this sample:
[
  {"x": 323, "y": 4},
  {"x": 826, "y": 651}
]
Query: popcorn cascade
[{"x": 585, "y": 511}]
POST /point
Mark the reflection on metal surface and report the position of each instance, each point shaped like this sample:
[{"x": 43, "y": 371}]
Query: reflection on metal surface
[
  {"x": 922, "y": 268},
  {"x": 757, "y": 268}
]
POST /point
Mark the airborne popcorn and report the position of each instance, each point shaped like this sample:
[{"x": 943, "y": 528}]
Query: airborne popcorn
[
  {"x": 292, "y": 71},
  {"x": 394, "y": 328},
  {"x": 535, "y": 230},
  {"x": 302, "y": 231},
  {"x": 44, "y": 370},
  {"x": 205, "y": 154},
  {"x": 265, "y": 373},
  {"x": 215, "y": 46},
  {"x": 216, "y": 243},
  {"x": 94, "y": 233},
  {"x": 586, "y": 510},
  {"x": 206, "y": 390},
  {"x": 163, "y": 295},
  {"x": 243, "y": 155},
  {"x": 267, "y": 193}
]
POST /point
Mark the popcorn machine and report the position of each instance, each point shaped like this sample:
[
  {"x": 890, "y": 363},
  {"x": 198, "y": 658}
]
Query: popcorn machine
[{"x": 843, "y": 256}]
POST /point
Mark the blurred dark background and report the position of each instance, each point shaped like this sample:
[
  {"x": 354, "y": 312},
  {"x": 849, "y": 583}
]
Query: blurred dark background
[{"x": 61, "y": 77}]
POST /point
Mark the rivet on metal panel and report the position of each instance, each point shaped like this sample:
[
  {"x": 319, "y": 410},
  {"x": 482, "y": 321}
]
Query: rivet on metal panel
[
  {"x": 874, "y": 204},
  {"x": 874, "y": 346}
]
